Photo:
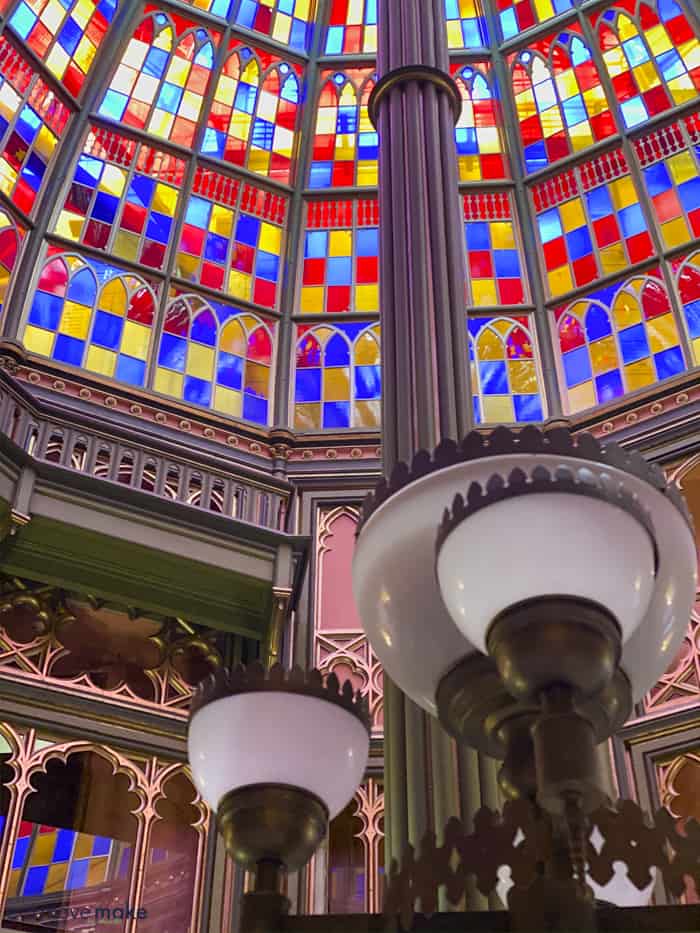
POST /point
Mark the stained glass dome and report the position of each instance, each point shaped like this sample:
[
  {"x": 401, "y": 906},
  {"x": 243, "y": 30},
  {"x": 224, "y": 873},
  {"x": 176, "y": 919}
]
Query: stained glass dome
[{"x": 188, "y": 201}]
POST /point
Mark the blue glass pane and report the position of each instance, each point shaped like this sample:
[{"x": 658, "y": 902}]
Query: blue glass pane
[
  {"x": 197, "y": 391},
  {"x": 577, "y": 366},
  {"x": 68, "y": 350},
  {"x": 46, "y": 310},
  {"x": 336, "y": 415},
  {"x": 230, "y": 371},
  {"x": 173, "y": 351},
  {"x": 131, "y": 370},
  {"x": 494, "y": 377},
  {"x": 633, "y": 343},
  {"x": 107, "y": 330},
  {"x": 669, "y": 362},
  {"x": 609, "y": 386},
  {"x": 308, "y": 385}
]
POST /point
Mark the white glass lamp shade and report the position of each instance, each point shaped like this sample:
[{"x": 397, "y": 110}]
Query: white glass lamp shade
[
  {"x": 276, "y": 737},
  {"x": 553, "y": 544},
  {"x": 399, "y": 600}
]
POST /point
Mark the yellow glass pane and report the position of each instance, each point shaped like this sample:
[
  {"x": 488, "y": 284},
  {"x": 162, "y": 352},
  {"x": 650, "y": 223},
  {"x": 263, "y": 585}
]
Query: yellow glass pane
[
  {"x": 367, "y": 298},
  {"x": 572, "y": 215},
  {"x": 336, "y": 384},
  {"x": 168, "y": 383},
  {"x": 135, "y": 340},
  {"x": 200, "y": 361},
  {"x": 367, "y": 174},
  {"x": 523, "y": 377},
  {"x": 604, "y": 355},
  {"x": 622, "y": 193},
  {"x": 101, "y": 361},
  {"x": 307, "y": 417},
  {"x": 75, "y": 320},
  {"x": 581, "y": 397},
  {"x": 42, "y": 851},
  {"x": 560, "y": 280},
  {"x": 696, "y": 350},
  {"x": 165, "y": 200},
  {"x": 233, "y": 339},
  {"x": 69, "y": 226},
  {"x": 84, "y": 54},
  {"x": 96, "y": 871},
  {"x": 682, "y": 167},
  {"x": 270, "y": 239},
  {"x": 490, "y": 346},
  {"x": 469, "y": 168},
  {"x": 126, "y": 245},
  {"x": 56, "y": 878},
  {"x": 259, "y": 161},
  {"x": 675, "y": 232},
  {"x": 366, "y": 351},
  {"x": 498, "y": 409},
  {"x": 484, "y": 292},
  {"x": 187, "y": 267},
  {"x": 639, "y": 374},
  {"x": 502, "y": 235},
  {"x": 662, "y": 333},
  {"x": 114, "y": 298},
  {"x": 626, "y": 310},
  {"x": 228, "y": 401},
  {"x": 257, "y": 379},
  {"x": 613, "y": 258},
  {"x": 221, "y": 221},
  {"x": 646, "y": 76},
  {"x": 366, "y": 414},
  {"x": 311, "y": 300},
  {"x": 83, "y": 846},
  {"x": 239, "y": 284},
  {"x": 38, "y": 341},
  {"x": 340, "y": 243}
]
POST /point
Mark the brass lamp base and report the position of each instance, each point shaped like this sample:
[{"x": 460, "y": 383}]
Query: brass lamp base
[
  {"x": 272, "y": 823},
  {"x": 476, "y": 709},
  {"x": 555, "y": 639}
]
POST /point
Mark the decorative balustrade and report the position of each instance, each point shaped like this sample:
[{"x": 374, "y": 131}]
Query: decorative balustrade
[{"x": 263, "y": 502}]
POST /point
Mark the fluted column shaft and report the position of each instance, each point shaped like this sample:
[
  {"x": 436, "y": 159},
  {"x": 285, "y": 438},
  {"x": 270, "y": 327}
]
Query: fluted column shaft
[
  {"x": 425, "y": 375},
  {"x": 423, "y": 282}
]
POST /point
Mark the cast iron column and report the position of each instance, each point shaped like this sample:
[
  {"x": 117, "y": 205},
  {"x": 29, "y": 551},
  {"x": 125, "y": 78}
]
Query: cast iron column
[
  {"x": 425, "y": 375},
  {"x": 425, "y": 384}
]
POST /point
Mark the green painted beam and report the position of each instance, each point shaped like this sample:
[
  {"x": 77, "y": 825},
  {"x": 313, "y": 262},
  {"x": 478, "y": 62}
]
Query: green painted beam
[{"x": 154, "y": 581}]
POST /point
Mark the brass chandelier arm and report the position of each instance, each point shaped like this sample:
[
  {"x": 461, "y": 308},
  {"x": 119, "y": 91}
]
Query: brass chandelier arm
[{"x": 406, "y": 75}]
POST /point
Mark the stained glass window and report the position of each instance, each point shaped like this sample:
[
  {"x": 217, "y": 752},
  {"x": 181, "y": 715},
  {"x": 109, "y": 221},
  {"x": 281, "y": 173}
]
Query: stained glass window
[
  {"x": 213, "y": 355},
  {"x": 670, "y": 161},
  {"x": 480, "y": 149},
  {"x": 90, "y": 314},
  {"x": 495, "y": 269},
  {"x": 286, "y": 21},
  {"x": 688, "y": 277},
  {"x": 32, "y": 119},
  {"x": 515, "y": 16},
  {"x": 352, "y": 27},
  {"x": 11, "y": 236},
  {"x": 341, "y": 258},
  {"x": 505, "y": 381},
  {"x": 123, "y": 198},
  {"x": 337, "y": 379},
  {"x": 561, "y": 105},
  {"x": 65, "y": 34},
  {"x": 232, "y": 239},
  {"x": 252, "y": 123},
  {"x": 652, "y": 56},
  {"x": 346, "y": 145},
  {"x": 160, "y": 83},
  {"x": 47, "y": 860},
  {"x": 220, "y": 8},
  {"x": 466, "y": 25},
  {"x": 616, "y": 340},
  {"x": 590, "y": 223}
]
